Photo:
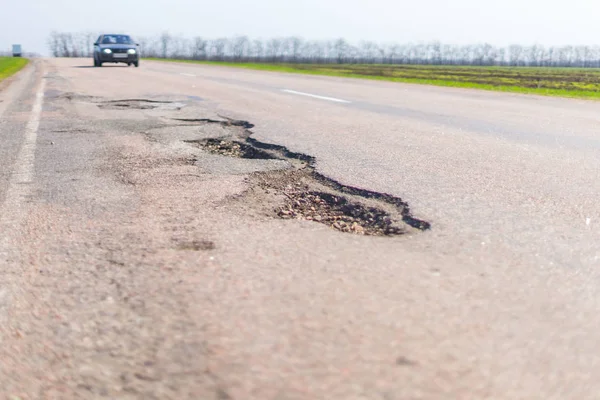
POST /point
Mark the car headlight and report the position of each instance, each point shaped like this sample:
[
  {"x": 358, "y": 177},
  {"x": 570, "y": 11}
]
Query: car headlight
[
  {"x": 131, "y": 51},
  {"x": 107, "y": 51}
]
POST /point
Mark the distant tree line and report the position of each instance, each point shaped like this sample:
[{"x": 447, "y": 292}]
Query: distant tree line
[{"x": 298, "y": 50}]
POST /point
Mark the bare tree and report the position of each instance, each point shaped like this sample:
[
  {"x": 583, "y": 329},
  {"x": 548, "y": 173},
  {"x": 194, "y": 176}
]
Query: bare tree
[
  {"x": 393, "y": 52},
  {"x": 515, "y": 53},
  {"x": 165, "y": 42},
  {"x": 145, "y": 48},
  {"x": 296, "y": 45},
  {"x": 218, "y": 48},
  {"x": 274, "y": 49},
  {"x": 436, "y": 53},
  {"x": 240, "y": 46},
  {"x": 199, "y": 48},
  {"x": 257, "y": 50},
  {"x": 54, "y": 44},
  {"x": 90, "y": 38},
  {"x": 180, "y": 48},
  {"x": 340, "y": 47},
  {"x": 369, "y": 51},
  {"x": 66, "y": 48}
]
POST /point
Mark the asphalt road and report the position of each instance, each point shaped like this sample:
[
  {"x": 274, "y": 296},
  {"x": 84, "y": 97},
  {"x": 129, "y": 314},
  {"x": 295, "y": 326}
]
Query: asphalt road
[{"x": 135, "y": 264}]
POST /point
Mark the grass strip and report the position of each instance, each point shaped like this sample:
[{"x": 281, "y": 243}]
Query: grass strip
[
  {"x": 11, "y": 65},
  {"x": 583, "y": 83}
]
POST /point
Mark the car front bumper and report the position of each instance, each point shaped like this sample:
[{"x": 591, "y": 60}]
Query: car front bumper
[{"x": 118, "y": 57}]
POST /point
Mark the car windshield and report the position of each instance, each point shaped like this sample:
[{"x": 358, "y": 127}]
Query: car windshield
[{"x": 117, "y": 39}]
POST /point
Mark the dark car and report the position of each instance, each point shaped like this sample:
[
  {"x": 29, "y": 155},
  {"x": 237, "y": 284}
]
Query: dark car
[{"x": 116, "y": 49}]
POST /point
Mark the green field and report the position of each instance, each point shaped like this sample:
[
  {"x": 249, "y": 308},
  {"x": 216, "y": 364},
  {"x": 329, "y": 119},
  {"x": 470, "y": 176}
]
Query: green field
[
  {"x": 10, "y": 66},
  {"x": 565, "y": 82}
]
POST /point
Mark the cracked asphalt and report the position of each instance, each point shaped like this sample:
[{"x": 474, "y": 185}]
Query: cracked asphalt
[{"x": 136, "y": 265}]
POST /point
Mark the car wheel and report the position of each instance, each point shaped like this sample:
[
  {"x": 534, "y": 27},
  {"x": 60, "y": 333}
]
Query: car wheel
[
  {"x": 136, "y": 63},
  {"x": 95, "y": 62},
  {"x": 129, "y": 64}
]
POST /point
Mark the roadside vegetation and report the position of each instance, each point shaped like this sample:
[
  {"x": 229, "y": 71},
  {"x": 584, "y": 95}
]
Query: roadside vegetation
[
  {"x": 565, "y": 82},
  {"x": 10, "y": 66}
]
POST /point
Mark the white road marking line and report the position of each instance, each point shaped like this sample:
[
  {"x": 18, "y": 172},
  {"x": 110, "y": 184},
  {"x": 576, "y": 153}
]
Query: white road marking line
[
  {"x": 316, "y": 96},
  {"x": 23, "y": 172},
  {"x": 11, "y": 210},
  {"x": 184, "y": 74}
]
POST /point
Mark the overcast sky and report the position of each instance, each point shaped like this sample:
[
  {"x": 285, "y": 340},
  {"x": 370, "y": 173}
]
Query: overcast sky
[{"x": 498, "y": 22}]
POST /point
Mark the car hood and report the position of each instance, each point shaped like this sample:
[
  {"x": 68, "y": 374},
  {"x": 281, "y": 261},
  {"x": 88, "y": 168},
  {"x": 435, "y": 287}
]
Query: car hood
[{"x": 117, "y": 46}]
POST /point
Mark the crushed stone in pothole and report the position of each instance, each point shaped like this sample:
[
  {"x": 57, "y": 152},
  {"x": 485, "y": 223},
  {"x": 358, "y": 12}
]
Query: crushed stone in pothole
[
  {"x": 232, "y": 148},
  {"x": 337, "y": 212}
]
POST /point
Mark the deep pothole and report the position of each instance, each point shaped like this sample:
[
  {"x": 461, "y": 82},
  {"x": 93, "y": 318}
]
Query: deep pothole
[
  {"x": 304, "y": 194},
  {"x": 232, "y": 148},
  {"x": 339, "y": 213}
]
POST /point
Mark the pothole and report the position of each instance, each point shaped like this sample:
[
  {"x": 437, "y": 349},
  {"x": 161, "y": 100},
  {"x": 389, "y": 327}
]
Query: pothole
[
  {"x": 70, "y": 96},
  {"x": 339, "y": 213},
  {"x": 304, "y": 194},
  {"x": 232, "y": 148},
  {"x": 120, "y": 104},
  {"x": 140, "y": 104}
]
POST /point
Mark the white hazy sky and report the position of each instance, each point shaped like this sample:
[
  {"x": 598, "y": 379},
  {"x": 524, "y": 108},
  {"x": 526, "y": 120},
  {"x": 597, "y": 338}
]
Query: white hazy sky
[{"x": 499, "y": 22}]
